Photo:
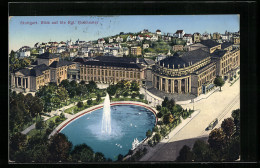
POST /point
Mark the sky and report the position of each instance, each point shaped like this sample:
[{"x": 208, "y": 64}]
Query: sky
[{"x": 23, "y": 34}]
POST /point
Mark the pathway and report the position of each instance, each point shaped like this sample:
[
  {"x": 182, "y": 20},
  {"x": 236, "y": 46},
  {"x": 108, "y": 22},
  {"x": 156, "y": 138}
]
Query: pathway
[
  {"x": 28, "y": 129},
  {"x": 52, "y": 114}
]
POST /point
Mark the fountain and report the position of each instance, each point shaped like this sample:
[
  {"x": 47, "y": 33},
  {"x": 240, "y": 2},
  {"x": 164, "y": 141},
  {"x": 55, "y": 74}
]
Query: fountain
[
  {"x": 106, "y": 119},
  {"x": 111, "y": 129}
]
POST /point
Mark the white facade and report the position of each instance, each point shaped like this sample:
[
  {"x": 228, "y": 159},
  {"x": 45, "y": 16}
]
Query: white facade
[
  {"x": 188, "y": 39},
  {"x": 41, "y": 51},
  {"x": 158, "y": 32},
  {"x": 25, "y": 54},
  {"x": 60, "y": 49},
  {"x": 154, "y": 38},
  {"x": 145, "y": 46}
]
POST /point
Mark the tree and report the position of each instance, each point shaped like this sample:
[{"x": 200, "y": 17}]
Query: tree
[
  {"x": 134, "y": 86},
  {"x": 219, "y": 82},
  {"x": 165, "y": 102},
  {"x": 171, "y": 104},
  {"x": 120, "y": 157},
  {"x": 157, "y": 137},
  {"x": 125, "y": 94},
  {"x": 111, "y": 90},
  {"x": 80, "y": 104},
  {"x": 62, "y": 116},
  {"x": 39, "y": 153},
  {"x": 17, "y": 141},
  {"x": 232, "y": 151},
  {"x": 228, "y": 127},
  {"x": 216, "y": 139},
  {"x": 82, "y": 82},
  {"x": 56, "y": 101},
  {"x": 133, "y": 95},
  {"x": 62, "y": 93},
  {"x": 159, "y": 115},
  {"x": 163, "y": 131},
  {"x": 141, "y": 96},
  {"x": 51, "y": 124},
  {"x": 167, "y": 119},
  {"x": 89, "y": 102},
  {"x": 98, "y": 97},
  {"x": 236, "y": 116},
  {"x": 150, "y": 142},
  {"x": 164, "y": 111},
  {"x": 59, "y": 148},
  {"x": 158, "y": 107},
  {"x": 82, "y": 153},
  {"x": 149, "y": 133},
  {"x": 40, "y": 124},
  {"x": 92, "y": 86},
  {"x": 185, "y": 155},
  {"x": 28, "y": 101},
  {"x": 155, "y": 129},
  {"x": 200, "y": 148},
  {"x": 99, "y": 157},
  {"x": 36, "y": 107}
]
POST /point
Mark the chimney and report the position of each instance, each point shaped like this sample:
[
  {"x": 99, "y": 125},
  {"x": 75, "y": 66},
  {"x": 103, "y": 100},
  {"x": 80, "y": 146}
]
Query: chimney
[
  {"x": 172, "y": 66},
  {"x": 178, "y": 65},
  {"x": 184, "y": 65}
]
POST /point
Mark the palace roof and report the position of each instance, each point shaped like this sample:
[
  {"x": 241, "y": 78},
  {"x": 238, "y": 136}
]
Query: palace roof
[
  {"x": 209, "y": 43},
  {"x": 184, "y": 58},
  {"x": 36, "y": 71},
  {"x": 56, "y": 64},
  {"x": 225, "y": 45},
  {"x": 114, "y": 62},
  {"x": 219, "y": 53}
]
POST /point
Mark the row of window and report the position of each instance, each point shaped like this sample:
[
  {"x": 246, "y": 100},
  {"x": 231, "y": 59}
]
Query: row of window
[
  {"x": 206, "y": 78},
  {"x": 207, "y": 72},
  {"x": 113, "y": 73}
]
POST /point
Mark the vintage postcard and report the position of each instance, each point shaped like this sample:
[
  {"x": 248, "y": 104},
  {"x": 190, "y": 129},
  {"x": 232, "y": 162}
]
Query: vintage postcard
[{"x": 124, "y": 88}]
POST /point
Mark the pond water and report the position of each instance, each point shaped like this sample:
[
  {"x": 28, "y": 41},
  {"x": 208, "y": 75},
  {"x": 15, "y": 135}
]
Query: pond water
[{"x": 127, "y": 123}]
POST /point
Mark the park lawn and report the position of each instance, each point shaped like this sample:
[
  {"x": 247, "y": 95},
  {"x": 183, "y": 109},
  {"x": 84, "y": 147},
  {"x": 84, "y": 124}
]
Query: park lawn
[
  {"x": 28, "y": 124},
  {"x": 33, "y": 132},
  {"x": 75, "y": 109},
  {"x": 36, "y": 131},
  {"x": 51, "y": 119}
]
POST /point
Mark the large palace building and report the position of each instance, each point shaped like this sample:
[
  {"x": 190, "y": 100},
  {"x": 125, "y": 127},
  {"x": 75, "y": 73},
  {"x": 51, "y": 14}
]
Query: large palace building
[
  {"x": 110, "y": 70},
  {"x": 194, "y": 71}
]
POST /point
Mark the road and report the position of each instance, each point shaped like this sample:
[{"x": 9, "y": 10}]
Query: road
[{"x": 218, "y": 105}]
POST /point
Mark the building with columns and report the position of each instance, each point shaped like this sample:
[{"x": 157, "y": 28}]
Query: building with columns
[
  {"x": 30, "y": 79},
  {"x": 48, "y": 69},
  {"x": 193, "y": 72}
]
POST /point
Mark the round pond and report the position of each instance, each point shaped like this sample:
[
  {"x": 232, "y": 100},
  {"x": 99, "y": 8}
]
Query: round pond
[{"x": 127, "y": 123}]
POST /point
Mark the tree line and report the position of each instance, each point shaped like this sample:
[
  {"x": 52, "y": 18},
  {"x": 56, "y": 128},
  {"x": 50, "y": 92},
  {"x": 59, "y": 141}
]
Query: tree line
[{"x": 223, "y": 143}]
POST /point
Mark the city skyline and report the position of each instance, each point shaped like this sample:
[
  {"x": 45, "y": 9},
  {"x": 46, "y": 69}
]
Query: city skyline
[{"x": 21, "y": 33}]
